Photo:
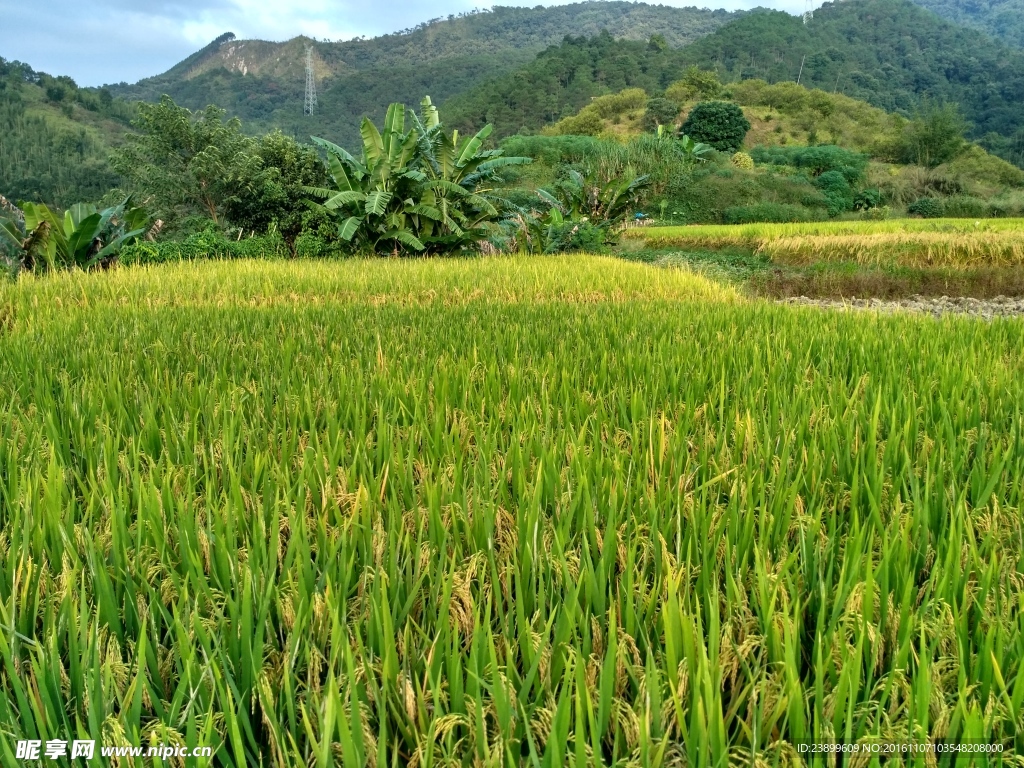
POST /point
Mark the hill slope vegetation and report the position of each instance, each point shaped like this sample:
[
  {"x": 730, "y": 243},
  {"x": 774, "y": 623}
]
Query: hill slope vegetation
[
  {"x": 1003, "y": 19},
  {"x": 889, "y": 53},
  {"x": 55, "y": 137},
  {"x": 263, "y": 82}
]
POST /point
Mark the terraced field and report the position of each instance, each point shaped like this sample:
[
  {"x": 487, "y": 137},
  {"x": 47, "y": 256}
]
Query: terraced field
[{"x": 546, "y": 512}]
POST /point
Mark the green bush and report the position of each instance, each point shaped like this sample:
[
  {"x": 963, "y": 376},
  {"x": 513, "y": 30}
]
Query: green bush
[
  {"x": 965, "y": 207},
  {"x": 718, "y": 123},
  {"x": 774, "y": 213},
  {"x": 206, "y": 244},
  {"x": 581, "y": 236},
  {"x": 660, "y": 112},
  {"x": 815, "y": 160},
  {"x": 927, "y": 207},
  {"x": 837, "y": 191}
]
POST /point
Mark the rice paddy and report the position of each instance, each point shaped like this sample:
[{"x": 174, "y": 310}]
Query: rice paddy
[
  {"x": 960, "y": 243},
  {"x": 563, "y": 511}
]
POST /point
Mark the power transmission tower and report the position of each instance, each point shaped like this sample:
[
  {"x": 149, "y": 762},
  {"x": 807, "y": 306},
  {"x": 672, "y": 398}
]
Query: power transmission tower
[
  {"x": 309, "y": 107},
  {"x": 808, "y": 11}
]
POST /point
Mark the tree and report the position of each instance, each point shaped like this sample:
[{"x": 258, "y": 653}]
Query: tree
[
  {"x": 184, "y": 162},
  {"x": 660, "y": 112},
  {"x": 272, "y": 191},
  {"x": 695, "y": 83},
  {"x": 935, "y": 136},
  {"x": 718, "y": 123}
]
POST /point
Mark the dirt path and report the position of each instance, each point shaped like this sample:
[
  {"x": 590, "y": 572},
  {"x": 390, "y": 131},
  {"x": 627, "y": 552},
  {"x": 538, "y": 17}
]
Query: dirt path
[{"x": 1000, "y": 306}]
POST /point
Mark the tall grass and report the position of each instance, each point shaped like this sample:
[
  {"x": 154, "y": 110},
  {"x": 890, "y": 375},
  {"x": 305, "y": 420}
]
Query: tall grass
[{"x": 542, "y": 513}]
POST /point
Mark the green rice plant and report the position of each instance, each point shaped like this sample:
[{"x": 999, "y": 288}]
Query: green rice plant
[{"x": 558, "y": 511}]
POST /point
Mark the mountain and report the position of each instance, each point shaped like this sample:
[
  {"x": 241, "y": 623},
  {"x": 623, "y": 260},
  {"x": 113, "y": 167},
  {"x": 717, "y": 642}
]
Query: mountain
[
  {"x": 56, "y": 137},
  {"x": 1002, "y": 19},
  {"x": 263, "y": 82},
  {"x": 889, "y": 53}
]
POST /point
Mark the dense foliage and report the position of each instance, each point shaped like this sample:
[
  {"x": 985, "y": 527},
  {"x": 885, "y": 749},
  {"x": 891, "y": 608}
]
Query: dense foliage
[
  {"x": 719, "y": 124},
  {"x": 889, "y": 53},
  {"x": 1002, "y": 19},
  {"x": 55, "y": 137},
  {"x": 186, "y": 164}
]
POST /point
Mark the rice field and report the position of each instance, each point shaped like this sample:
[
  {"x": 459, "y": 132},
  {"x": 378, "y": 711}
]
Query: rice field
[
  {"x": 565, "y": 511},
  {"x": 916, "y": 249},
  {"x": 958, "y": 243},
  {"x": 722, "y": 235}
]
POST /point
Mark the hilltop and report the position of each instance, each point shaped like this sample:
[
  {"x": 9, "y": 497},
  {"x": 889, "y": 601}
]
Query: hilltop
[
  {"x": 263, "y": 82},
  {"x": 890, "y": 53}
]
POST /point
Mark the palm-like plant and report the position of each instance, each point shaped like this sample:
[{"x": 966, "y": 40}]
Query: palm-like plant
[
  {"x": 604, "y": 203},
  {"x": 694, "y": 151},
  {"x": 418, "y": 189},
  {"x": 83, "y": 237},
  {"x": 459, "y": 175}
]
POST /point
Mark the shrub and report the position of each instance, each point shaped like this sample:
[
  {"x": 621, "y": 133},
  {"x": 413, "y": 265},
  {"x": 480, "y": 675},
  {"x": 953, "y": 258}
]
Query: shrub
[
  {"x": 867, "y": 199},
  {"x": 718, "y": 123},
  {"x": 815, "y": 160},
  {"x": 206, "y": 244},
  {"x": 579, "y": 236},
  {"x": 926, "y": 207},
  {"x": 837, "y": 191},
  {"x": 660, "y": 112},
  {"x": 775, "y": 213},
  {"x": 965, "y": 207},
  {"x": 743, "y": 160}
]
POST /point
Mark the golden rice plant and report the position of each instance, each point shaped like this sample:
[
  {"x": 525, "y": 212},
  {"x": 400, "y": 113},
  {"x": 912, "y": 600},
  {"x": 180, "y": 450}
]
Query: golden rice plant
[
  {"x": 755, "y": 235},
  {"x": 911, "y": 249},
  {"x": 545, "y": 512}
]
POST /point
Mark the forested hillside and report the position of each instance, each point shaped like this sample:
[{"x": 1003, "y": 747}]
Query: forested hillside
[
  {"x": 55, "y": 137},
  {"x": 263, "y": 82},
  {"x": 889, "y": 53},
  {"x": 1003, "y": 19}
]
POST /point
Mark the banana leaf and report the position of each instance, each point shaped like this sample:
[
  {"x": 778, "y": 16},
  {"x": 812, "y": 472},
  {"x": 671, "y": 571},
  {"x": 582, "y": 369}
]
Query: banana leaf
[{"x": 349, "y": 227}]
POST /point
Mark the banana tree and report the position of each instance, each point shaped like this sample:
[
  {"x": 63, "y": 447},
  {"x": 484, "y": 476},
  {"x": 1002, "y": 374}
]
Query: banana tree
[
  {"x": 83, "y": 237},
  {"x": 601, "y": 202},
  {"x": 694, "y": 151},
  {"x": 416, "y": 189},
  {"x": 460, "y": 177},
  {"x": 374, "y": 198}
]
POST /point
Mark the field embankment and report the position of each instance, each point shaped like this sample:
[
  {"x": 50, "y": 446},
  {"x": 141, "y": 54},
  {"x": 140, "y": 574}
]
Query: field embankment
[{"x": 456, "y": 512}]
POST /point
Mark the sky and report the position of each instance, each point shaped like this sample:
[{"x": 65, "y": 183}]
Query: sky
[{"x": 109, "y": 41}]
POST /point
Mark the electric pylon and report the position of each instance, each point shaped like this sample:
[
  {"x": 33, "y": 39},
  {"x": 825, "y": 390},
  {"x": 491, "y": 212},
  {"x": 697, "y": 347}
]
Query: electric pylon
[{"x": 309, "y": 107}]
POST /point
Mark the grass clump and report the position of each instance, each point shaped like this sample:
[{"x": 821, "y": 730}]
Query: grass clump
[{"x": 547, "y": 512}]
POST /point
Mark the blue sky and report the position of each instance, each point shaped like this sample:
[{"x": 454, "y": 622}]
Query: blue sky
[{"x": 109, "y": 41}]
